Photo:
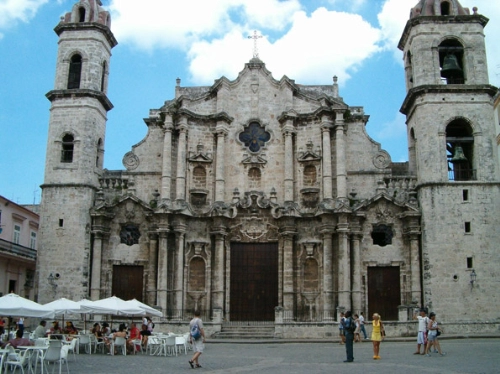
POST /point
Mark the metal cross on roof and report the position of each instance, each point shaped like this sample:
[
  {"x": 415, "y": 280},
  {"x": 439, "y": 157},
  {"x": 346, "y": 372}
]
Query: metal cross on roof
[{"x": 255, "y": 37}]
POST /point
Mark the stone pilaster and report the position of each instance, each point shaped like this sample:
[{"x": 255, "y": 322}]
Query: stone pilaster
[
  {"x": 95, "y": 287},
  {"x": 340, "y": 147},
  {"x": 219, "y": 234},
  {"x": 288, "y": 132},
  {"x": 327, "y": 158},
  {"x": 166, "y": 173},
  {"x": 357, "y": 295},
  {"x": 221, "y": 132},
  {"x": 326, "y": 232},
  {"x": 287, "y": 236},
  {"x": 161, "y": 291},
  {"x": 344, "y": 272},
  {"x": 180, "y": 234},
  {"x": 152, "y": 269},
  {"x": 180, "y": 187},
  {"x": 416, "y": 290}
]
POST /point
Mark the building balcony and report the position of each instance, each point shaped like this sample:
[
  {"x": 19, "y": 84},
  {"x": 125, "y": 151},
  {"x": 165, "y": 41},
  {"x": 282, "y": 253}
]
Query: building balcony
[{"x": 15, "y": 250}]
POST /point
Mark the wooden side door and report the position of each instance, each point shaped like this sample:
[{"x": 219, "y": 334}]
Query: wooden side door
[
  {"x": 384, "y": 292},
  {"x": 128, "y": 282},
  {"x": 254, "y": 281}
]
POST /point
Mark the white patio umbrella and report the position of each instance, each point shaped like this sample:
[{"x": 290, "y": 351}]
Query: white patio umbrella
[
  {"x": 13, "y": 305},
  {"x": 147, "y": 309},
  {"x": 63, "y": 307},
  {"x": 112, "y": 305},
  {"x": 84, "y": 312}
]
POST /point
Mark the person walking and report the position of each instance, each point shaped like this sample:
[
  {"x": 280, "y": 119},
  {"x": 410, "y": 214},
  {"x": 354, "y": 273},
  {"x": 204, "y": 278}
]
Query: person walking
[
  {"x": 349, "y": 327},
  {"x": 362, "y": 325},
  {"x": 197, "y": 337},
  {"x": 341, "y": 328},
  {"x": 432, "y": 336},
  {"x": 378, "y": 334},
  {"x": 357, "y": 335},
  {"x": 423, "y": 320}
]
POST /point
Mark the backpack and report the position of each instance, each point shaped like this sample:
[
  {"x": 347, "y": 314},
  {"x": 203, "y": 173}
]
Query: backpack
[
  {"x": 350, "y": 326},
  {"x": 195, "y": 332}
]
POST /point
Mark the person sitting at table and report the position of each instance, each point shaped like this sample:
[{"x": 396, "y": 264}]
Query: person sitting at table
[
  {"x": 122, "y": 333},
  {"x": 105, "y": 329},
  {"x": 40, "y": 331},
  {"x": 97, "y": 332},
  {"x": 70, "y": 329},
  {"x": 134, "y": 334},
  {"x": 55, "y": 329},
  {"x": 145, "y": 333},
  {"x": 18, "y": 341}
]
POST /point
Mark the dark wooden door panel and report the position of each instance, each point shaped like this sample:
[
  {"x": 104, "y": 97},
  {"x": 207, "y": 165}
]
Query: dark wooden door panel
[
  {"x": 128, "y": 282},
  {"x": 254, "y": 281},
  {"x": 384, "y": 292}
]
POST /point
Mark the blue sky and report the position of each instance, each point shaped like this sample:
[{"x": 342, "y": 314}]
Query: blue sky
[{"x": 198, "y": 41}]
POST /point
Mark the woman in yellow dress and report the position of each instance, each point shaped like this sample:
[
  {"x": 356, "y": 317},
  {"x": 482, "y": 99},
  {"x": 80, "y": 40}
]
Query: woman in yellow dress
[{"x": 377, "y": 335}]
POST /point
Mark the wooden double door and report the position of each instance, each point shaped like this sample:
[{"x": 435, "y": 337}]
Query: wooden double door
[
  {"x": 384, "y": 292},
  {"x": 254, "y": 281},
  {"x": 128, "y": 282}
]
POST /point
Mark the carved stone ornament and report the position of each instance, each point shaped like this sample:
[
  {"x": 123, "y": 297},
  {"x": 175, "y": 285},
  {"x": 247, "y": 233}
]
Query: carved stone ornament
[
  {"x": 381, "y": 160},
  {"x": 130, "y": 161}
]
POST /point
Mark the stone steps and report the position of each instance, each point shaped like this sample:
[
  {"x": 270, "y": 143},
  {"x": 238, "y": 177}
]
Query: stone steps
[{"x": 245, "y": 332}]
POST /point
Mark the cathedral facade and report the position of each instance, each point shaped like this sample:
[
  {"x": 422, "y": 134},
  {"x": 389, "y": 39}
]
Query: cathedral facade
[{"x": 261, "y": 199}]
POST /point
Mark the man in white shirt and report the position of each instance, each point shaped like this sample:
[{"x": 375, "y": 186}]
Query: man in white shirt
[
  {"x": 422, "y": 330},
  {"x": 40, "y": 331},
  {"x": 362, "y": 325}
]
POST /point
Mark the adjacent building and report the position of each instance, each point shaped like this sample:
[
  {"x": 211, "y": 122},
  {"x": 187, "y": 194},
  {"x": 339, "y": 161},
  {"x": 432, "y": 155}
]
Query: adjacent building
[{"x": 18, "y": 248}]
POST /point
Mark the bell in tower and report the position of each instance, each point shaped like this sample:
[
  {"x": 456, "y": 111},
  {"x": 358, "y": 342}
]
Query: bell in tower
[{"x": 451, "y": 69}]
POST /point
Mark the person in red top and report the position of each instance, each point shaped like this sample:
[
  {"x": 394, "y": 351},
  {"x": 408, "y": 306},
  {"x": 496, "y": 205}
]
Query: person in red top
[
  {"x": 134, "y": 334},
  {"x": 18, "y": 341}
]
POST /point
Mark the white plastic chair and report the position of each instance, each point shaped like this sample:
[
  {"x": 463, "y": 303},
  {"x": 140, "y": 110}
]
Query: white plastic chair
[
  {"x": 72, "y": 347},
  {"x": 169, "y": 346},
  {"x": 96, "y": 343},
  {"x": 153, "y": 346},
  {"x": 136, "y": 346},
  {"x": 17, "y": 359},
  {"x": 56, "y": 354},
  {"x": 180, "y": 343},
  {"x": 84, "y": 340},
  {"x": 121, "y": 343}
]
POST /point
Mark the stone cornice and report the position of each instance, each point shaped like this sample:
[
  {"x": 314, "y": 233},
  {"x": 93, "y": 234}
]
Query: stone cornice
[
  {"x": 416, "y": 92},
  {"x": 83, "y": 26},
  {"x": 72, "y": 93}
]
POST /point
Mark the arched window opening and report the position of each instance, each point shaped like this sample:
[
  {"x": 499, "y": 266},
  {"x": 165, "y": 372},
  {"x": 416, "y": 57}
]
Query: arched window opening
[
  {"x": 445, "y": 8},
  {"x": 310, "y": 175},
  {"x": 412, "y": 152},
  {"x": 103, "y": 76},
  {"x": 382, "y": 235},
  {"x": 460, "y": 151},
  {"x": 199, "y": 177},
  {"x": 68, "y": 145},
  {"x": 75, "y": 72},
  {"x": 100, "y": 152},
  {"x": 81, "y": 14},
  {"x": 409, "y": 68},
  {"x": 451, "y": 57},
  {"x": 254, "y": 178}
]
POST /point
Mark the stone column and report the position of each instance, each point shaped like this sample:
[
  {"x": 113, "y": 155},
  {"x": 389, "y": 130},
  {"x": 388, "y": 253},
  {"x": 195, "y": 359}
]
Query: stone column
[
  {"x": 166, "y": 173},
  {"x": 326, "y": 232},
  {"x": 180, "y": 185},
  {"x": 180, "y": 233},
  {"x": 340, "y": 146},
  {"x": 152, "y": 269},
  {"x": 356, "y": 273},
  {"x": 288, "y": 132},
  {"x": 221, "y": 132},
  {"x": 95, "y": 287},
  {"x": 344, "y": 272},
  {"x": 327, "y": 158},
  {"x": 287, "y": 235},
  {"x": 219, "y": 234},
  {"x": 416, "y": 291},
  {"x": 161, "y": 290}
]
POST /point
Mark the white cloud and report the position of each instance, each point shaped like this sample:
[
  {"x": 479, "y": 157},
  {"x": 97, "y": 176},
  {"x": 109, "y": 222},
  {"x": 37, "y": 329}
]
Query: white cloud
[
  {"x": 395, "y": 129},
  {"x": 153, "y": 24},
  {"x": 12, "y": 11},
  {"x": 326, "y": 43}
]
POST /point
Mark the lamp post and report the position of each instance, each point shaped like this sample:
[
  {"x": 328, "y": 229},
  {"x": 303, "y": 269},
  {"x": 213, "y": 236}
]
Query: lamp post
[{"x": 473, "y": 277}]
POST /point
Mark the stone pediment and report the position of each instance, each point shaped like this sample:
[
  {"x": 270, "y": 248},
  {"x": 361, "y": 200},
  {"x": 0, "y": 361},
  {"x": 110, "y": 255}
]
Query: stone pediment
[
  {"x": 387, "y": 200},
  {"x": 254, "y": 159}
]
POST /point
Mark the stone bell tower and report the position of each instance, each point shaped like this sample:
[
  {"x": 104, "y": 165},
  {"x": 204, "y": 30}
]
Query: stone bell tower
[
  {"x": 451, "y": 132},
  {"x": 75, "y": 150}
]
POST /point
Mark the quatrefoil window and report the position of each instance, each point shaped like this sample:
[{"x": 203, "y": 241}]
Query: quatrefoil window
[{"x": 254, "y": 137}]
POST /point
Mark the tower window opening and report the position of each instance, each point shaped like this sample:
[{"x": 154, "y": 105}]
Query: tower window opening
[
  {"x": 68, "y": 145},
  {"x": 460, "y": 151},
  {"x": 103, "y": 76},
  {"x": 61, "y": 222},
  {"x": 445, "y": 8},
  {"x": 451, "y": 57},
  {"x": 100, "y": 152},
  {"x": 467, "y": 227},
  {"x": 465, "y": 195},
  {"x": 81, "y": 14},
  {"x": 469, "y": 263},
  {"x": 75, "y": 72}
]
